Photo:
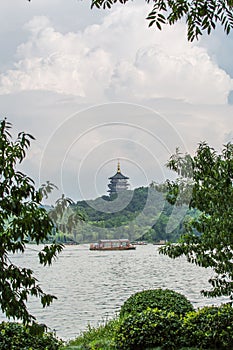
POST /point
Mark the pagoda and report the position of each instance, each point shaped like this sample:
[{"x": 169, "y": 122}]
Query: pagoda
[{"x": 118, "y": 182}]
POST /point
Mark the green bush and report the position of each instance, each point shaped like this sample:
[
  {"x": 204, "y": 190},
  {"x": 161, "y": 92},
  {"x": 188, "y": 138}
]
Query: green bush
[
  {"x": 209, "y": 328},
  {"x": 163, "y": 299},
  {"x": 15, "y": 336},
  {"x": 149, "y": 328},
  {"x": 206, "y": 328}
]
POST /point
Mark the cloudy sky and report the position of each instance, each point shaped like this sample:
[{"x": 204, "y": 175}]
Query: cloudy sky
[{"x": 95, "y": 86}]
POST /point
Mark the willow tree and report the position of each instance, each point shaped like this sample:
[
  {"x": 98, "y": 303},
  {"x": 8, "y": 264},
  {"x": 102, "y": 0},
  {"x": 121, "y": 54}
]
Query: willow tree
[
  {"x": 207, "y": 178},
  {"x": 22, "y": 220}
]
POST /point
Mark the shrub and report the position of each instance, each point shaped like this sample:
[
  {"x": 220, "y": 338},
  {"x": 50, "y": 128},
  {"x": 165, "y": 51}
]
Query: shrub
[
  {"x": 209, "y": 327},
  {"x": 151, "y": 327},
  {"x": 15, "y": 336},
  {"x": 163, "y": 299}
]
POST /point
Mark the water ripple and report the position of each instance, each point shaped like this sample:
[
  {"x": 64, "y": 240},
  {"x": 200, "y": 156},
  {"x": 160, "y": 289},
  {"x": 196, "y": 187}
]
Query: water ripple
[{"x": 92, "y": 286}]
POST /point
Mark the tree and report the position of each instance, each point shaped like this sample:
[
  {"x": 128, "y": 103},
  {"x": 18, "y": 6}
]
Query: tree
[
  {"x": 22, "y": 220},
  {"x": 65, "y": 216},
  {"x": 208, "y": 238},
  {"x": 200, "y": 16},
  {"x": 62, "y": 204}
]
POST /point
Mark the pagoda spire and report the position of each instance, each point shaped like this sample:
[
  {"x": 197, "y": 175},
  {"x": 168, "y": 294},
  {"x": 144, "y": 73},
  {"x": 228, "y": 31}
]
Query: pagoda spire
[{"x": 118, "y": 167}]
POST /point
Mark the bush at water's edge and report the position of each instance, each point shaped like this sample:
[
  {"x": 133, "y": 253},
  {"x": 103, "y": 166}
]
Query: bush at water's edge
[
  {"x": 163, "y": 299},
  {"x": 207, "y": 328},
  {"x": 15, "y": 336},
  {"x": 147, "y": 327}
]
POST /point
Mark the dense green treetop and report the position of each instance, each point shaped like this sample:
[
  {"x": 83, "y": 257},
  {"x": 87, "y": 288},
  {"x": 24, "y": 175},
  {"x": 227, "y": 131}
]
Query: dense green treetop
[
  {"x": 211, "y": 177},
  {"x": 200, "y": 16},
  {"x": 141, "y": 214},
  {"x": 22, "y": 220}
]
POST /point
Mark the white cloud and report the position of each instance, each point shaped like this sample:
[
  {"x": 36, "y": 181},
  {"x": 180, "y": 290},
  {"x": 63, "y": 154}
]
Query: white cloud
[
  {"x": 117, "y": 59},
  {"x": 61, "y": 72}
]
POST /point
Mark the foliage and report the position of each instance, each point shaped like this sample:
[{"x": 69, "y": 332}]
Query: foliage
[
  {"x": 135, "y": 202},
  {"x": 143, "y": 214},
  {"x": 212, "y": 195},
  {"x": 22, "y": 220},
  {"x": 95, "y": 338},
  {"x": 120, "y": 217},
  {"x": 151, "y": 327},
  {"x": 200, "y": 16},
  {"x": 162, "y": 299},
  {"x": 209, "y": 327},
  {"x": 66, "y": 218},
  {"x": 16, "y": 336},
  {"x": 165, "y": 327}
]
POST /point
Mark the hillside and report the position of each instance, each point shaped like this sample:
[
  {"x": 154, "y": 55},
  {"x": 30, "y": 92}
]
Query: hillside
[{"x": 142, "y": 214}]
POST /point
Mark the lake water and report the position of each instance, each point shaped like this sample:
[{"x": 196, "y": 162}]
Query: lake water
[{"x": 91, "y": 286}]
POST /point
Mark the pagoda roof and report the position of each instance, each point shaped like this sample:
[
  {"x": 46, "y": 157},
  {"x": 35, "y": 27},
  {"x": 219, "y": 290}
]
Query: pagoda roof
[{"x": 119, "y": 176}]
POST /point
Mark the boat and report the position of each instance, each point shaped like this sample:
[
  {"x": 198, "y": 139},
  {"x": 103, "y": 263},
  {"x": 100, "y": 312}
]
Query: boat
[
  {"x": 139, "y": 243},
  {"x": 161, "y": 242},
  {"x": 112, "y": 244}
]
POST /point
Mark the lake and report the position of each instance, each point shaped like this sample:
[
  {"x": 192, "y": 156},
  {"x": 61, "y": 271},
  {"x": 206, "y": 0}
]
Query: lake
[{"x": 91, "y": 286}]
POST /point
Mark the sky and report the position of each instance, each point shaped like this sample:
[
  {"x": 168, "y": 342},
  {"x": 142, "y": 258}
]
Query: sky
[{"x": 95, "y": 86}]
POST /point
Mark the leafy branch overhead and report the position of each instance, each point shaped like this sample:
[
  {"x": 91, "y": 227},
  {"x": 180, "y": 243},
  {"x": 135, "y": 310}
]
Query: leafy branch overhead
[{"x": 200, "y": 16}]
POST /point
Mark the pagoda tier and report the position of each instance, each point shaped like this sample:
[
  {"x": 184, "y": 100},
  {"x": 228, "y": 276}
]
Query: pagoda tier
[{"x": 118, "y": 182}]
